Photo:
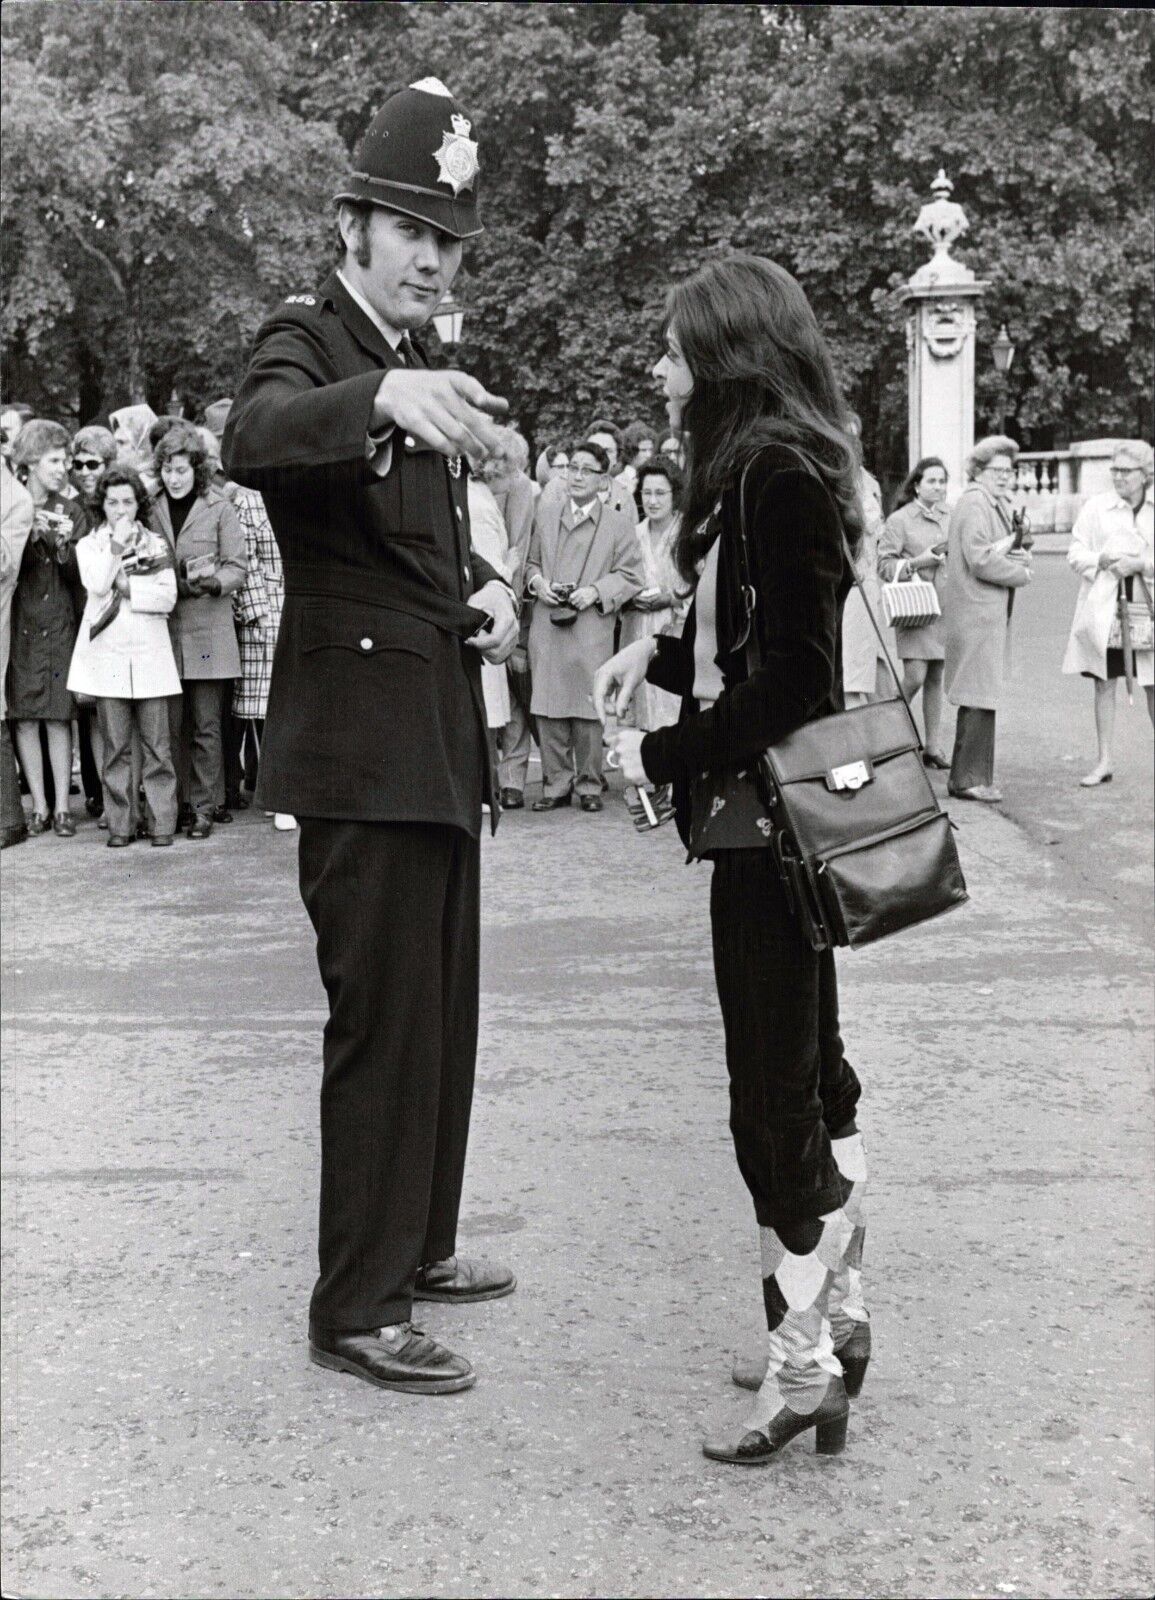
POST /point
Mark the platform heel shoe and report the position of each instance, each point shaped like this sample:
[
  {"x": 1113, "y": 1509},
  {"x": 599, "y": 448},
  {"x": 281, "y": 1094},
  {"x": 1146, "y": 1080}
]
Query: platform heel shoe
[{"x": 752, "y": 1446}]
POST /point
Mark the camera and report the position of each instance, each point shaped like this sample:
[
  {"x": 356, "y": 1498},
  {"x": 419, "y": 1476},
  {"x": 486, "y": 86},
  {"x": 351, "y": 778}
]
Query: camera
[{"x": 563, "y": 590}]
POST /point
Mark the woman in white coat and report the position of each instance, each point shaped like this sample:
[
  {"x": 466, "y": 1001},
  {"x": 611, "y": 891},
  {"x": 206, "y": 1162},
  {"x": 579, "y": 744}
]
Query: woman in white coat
[
  {"x": 124, "y": 657},
  {"x": 1112, "y": 546},
  {"x": 983, "y": 566}
]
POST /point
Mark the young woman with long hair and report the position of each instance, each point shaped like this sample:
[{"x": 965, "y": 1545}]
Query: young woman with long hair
[{"x": 751, "y": 390}]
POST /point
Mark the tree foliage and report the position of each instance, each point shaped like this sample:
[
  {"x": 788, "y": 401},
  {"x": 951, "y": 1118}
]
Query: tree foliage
[{"x": 195, "y": 146}]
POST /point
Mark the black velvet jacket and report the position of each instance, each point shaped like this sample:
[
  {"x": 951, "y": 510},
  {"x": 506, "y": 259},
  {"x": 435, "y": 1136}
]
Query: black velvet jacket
[{"x": 802, "y": 577}]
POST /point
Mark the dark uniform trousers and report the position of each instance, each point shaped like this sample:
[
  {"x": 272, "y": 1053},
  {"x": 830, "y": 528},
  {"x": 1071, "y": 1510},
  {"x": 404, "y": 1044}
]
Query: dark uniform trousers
[{"x": 399, "y": 1054}]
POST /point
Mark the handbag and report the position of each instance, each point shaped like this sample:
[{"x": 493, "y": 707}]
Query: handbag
[
  {"x": 911, "y": 604},
  {"x": 861, "y": 843},
  {"x": 1139, "y": 622}
]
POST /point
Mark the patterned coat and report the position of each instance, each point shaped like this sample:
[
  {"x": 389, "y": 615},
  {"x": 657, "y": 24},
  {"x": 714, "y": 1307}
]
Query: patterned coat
[{"x": 257, "y": 606}]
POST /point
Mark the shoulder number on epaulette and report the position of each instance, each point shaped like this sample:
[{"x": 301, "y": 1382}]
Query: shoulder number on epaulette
[{"x": 301, "y": 300}]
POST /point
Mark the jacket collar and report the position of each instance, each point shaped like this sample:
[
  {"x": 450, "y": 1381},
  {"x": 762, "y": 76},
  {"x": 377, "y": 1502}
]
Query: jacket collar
[
  {"x": 590, "y": 513},
  {"x": 367, "y": 335}
]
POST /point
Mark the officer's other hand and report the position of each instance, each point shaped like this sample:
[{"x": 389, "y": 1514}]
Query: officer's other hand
[
  {"x": 450, "y": 411},
  {"x": 583, "y": 599},
  {"x": 500, "y": 639}
]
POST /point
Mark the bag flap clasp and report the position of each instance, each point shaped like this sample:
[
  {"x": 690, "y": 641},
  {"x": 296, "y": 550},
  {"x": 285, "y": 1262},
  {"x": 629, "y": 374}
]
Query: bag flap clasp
[{"x": 851, "y": 776}]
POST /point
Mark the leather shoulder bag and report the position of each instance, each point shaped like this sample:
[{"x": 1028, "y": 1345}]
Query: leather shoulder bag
[{"x": 862, "y": 845}]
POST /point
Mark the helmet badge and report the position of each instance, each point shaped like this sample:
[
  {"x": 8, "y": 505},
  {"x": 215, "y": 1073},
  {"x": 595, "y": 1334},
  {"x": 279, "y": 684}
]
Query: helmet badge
[{"x": 457, "y": 163}]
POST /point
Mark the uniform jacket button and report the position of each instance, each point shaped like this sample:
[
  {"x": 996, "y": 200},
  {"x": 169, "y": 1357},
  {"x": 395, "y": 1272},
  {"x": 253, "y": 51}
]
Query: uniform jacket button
[
  {"x": 366, "y": 644},
  {"x": 410, "y": 441},
  {"x": 458, "y": 510}
]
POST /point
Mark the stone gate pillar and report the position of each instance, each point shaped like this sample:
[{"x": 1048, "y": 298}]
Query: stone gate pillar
[{"x": 940, "y": 304}]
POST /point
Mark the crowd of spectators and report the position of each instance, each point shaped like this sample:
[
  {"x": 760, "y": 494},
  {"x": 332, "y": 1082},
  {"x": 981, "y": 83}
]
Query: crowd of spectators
[{"x": 141, "y": 593}]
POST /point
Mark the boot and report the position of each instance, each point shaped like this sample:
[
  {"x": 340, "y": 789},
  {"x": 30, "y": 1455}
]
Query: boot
[
  {"x": 802, "y": 1387},
  {"x": 849, "y": 1318}
]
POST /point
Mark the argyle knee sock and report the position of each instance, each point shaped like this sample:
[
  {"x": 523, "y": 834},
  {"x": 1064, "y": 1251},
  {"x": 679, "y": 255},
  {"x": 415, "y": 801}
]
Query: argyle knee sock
[
  {"x": 846, "y": 1306},
  {"x": 796, "y": 1277}
]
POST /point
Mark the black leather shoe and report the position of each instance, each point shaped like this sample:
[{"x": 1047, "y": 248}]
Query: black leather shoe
[
  {"x": 119, "y": 841},
  {"x": 753, "y": 1447},
  {"x": 201, "y": 828},
  {"x": 222, "y": 814},
  {"x": 590, "y": 802},
  {"x": 460, "y": 1281},
  {"x": 546, "y": 803},
  {"x": 511, "y": 800},
  {"x": 10, "y": 836},
  {"x": 402, "y": 1358}
]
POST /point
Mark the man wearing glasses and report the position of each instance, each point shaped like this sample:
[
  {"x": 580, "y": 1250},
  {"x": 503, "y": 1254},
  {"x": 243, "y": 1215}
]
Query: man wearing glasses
[{"x": 584, "y": 563}]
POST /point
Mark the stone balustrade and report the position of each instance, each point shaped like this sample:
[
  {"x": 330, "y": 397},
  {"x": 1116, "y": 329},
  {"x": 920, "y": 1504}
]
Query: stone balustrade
[{"x": 1053, "y": 484}]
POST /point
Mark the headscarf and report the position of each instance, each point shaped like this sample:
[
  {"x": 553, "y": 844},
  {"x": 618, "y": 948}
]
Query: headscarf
[{"x": 135, "y": 421}]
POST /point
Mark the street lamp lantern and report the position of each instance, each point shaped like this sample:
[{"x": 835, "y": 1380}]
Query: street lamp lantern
[
  {"x": 1003, "y": 351},
  {"x": 447, "y": 319}
]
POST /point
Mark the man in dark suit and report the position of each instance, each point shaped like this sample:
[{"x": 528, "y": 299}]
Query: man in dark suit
[{"x": 376, "y": 737}]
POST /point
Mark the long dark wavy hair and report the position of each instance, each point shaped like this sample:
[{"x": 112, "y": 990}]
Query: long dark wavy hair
[{"x": 762, "y": 375}]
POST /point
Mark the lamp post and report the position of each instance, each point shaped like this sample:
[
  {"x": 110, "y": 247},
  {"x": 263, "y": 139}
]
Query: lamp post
[
  {"x": 447, "y": 319},
  {"x": 1002, "y": 354}
]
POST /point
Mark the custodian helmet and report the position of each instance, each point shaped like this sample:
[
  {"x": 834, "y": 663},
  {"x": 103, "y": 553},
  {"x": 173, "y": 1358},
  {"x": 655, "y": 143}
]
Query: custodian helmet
[{"x": 416, "y": 156}]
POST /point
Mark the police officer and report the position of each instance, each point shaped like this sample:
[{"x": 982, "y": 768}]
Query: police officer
[{"x": 376, "y": 736}]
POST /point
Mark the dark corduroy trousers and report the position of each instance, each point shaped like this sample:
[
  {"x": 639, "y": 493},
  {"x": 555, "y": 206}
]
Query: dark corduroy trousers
[
  {"x": 395, "y": 906},
  {"x": 791, "y": 1087}
]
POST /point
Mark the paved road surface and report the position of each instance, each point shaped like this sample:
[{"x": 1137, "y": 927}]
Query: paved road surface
[{"x": 165, "y": 1435}]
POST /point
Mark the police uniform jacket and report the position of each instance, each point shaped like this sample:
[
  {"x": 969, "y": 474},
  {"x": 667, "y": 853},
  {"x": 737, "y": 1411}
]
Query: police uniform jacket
[{"x": 375, "y": 708}]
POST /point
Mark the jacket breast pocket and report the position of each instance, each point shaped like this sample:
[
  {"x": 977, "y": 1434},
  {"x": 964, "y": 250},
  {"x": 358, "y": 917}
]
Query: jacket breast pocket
[{"x": 364, "y": 631}]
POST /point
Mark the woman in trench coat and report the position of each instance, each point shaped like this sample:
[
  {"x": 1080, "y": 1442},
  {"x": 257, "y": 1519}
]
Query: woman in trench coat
[
  {"x": 1112, "y": 546},
  {"x": 982, "y": 570}
]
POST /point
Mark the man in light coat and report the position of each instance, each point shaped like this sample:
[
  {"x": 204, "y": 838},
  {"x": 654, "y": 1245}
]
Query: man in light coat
[
  {"x": 592, "y": 550},
  {"x": 1112, "y": 547}
]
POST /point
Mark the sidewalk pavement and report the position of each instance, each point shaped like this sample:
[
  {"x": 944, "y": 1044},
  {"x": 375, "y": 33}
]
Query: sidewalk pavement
[{"x": 166, "y": 1435}]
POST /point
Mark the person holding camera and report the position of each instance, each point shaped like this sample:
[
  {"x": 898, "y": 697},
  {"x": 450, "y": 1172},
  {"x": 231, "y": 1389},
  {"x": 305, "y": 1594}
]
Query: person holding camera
[
  {"x": 584, "y": 563},
  {"x": 123, "y": 656},
  {"x": 208, "y": 544}
]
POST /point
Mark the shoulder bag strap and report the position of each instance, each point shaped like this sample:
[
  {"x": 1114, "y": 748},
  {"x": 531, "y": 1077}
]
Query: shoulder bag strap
[{"x": 750, "y": 595}]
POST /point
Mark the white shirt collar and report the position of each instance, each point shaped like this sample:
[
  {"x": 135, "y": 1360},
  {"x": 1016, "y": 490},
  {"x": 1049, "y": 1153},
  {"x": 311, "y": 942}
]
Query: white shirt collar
[
  {"x": 1119, "y": 504},
  {"x": 392, "y": 335},
  {"x": 580, "y": 513}
]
